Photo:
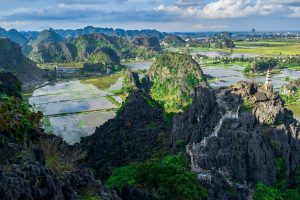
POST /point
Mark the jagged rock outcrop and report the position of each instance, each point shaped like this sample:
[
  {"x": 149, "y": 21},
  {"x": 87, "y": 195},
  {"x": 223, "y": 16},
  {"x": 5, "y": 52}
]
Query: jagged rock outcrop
[
  {"x": 201, "y": 117},
  {"x": 13, "y": 60},
  {"x": 246, "y": 144},
  {"x": 24, "y": 175},
  {"x": 139, "y": 132},
  {"x": 34, "y": 165}
]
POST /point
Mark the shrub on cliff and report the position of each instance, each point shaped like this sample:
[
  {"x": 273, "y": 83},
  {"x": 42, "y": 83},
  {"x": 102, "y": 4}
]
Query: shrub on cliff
[
  {"x": 17, "y": 118},
  {"x": 167, "y": 179}
]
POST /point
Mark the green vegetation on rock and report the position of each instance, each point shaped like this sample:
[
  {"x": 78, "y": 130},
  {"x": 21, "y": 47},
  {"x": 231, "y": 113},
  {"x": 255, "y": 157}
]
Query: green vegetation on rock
[
  {"x": 17, "y": 117},
  {"x": 281, "y": 190},
  {"x": 247, "y": 106},
  {"x": 174, "y": 77},
  {"x": 168, "y": 179},
  {"x": 291, "y": 93}
]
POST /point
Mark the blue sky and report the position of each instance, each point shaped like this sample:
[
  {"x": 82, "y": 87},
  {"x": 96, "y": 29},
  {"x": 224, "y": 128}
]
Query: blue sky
[{"x": 164, "y": 15}]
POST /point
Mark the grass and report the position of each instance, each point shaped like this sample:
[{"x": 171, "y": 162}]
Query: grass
[
  {"x": 47, "y": 125},
  {"x": 112, "y": 99},
  {"x": 103, "y": 82},
  {"x": 82, "y": 124},
  {"x": 89, "y": 194},
  {"x": 228, "y": 64},
  {"x": 269, "y": 47},
  {"x": 27, "y": 95},
  {"x": 295, "y": 108},
  {"x": 77, "y": 65},
  {"x": 262, "y": 47},
  {"x": 247, "y": 106},
  {"x": 58, "y": 157}
]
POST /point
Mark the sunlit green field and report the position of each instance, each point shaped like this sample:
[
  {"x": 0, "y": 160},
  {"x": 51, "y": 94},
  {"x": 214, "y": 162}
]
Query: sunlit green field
[
  {"x": 262, "y": 47},
  {"x": 269, "y": 48},
  {"x": 296, "y": 110},
  {"x": 103, "y": 82},
  {"x": 66, "y": 65}
]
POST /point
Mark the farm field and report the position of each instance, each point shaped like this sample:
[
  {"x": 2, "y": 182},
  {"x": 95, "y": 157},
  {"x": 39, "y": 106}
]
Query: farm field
[{"x": 269, "y": 47}]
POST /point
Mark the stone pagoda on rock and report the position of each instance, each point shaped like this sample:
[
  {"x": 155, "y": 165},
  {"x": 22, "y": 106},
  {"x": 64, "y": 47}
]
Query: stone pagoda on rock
[{"x": 268, "y": 83}]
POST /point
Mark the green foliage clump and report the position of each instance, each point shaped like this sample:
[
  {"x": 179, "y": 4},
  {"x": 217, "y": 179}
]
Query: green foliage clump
[
  {"x": 10, "y": 85},
  {"x": 247, "y": 106},
  {"x": 292, "y": 99},
  {"x": 167, "y": 179},
  {"x": 262, "y": 65},
  {"x": 17, "y": 117},
  {"x": 104, "y": 55},
  {"x": 281, "y": 190},
  {"x": 264, "y": 192}
]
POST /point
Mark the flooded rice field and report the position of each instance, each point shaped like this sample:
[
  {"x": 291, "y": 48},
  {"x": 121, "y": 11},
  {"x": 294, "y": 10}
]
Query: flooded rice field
[
  {"x": 228, "y": 76},
  {"x": 222, "y": 54},
  {"x": 73, "y": 109}
]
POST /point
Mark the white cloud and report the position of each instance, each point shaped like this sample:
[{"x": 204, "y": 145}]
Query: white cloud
[
  {"x": 296, "y": 11},
  {"x": 238, "y": 8},
  {"x": 222, "y": 9}
]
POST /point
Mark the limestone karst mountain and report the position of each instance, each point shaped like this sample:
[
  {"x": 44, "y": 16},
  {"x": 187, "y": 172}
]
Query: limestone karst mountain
[
  {"x": 13, "y": 60},
  {"x": 174, "y": 75}
]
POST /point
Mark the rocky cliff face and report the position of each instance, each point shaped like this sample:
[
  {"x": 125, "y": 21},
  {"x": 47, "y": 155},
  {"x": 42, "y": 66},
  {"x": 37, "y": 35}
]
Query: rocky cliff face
[
  {"x": 34, "y": 165},
  {"x": 139, "y": 132},
  {"x": 13, "y": 60},
  {"x": 25, "y": 174},
  {"x": 238, "y": 133}
]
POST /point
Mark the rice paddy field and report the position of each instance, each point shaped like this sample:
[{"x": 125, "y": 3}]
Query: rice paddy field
[
  {"x": 269, "y": 47},
  {"x": 296, "y": 110},
  {"x": 77, "y": 65},
  {"x": 74, "y": 108},
  {"x": 251, "y": 49}
]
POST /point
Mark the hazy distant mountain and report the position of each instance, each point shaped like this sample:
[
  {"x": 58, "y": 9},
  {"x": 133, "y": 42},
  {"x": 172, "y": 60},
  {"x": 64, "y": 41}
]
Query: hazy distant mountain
[
  {"x": 110, "y": 32},
  {"x": 17, "y": 37}
]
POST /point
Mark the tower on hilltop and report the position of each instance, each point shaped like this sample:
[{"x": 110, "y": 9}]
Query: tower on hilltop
[{"x": 268, "y": 83}]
